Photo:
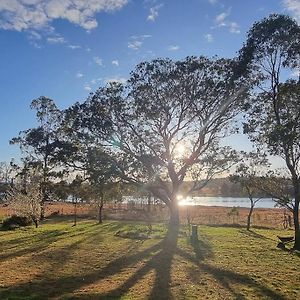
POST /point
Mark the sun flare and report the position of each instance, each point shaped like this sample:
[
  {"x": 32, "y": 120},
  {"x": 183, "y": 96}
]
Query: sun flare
[{"x": 180, "y": 150}]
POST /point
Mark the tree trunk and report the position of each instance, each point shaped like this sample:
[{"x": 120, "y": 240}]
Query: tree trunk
[
  {"x": 149, "y": 203},
  {"x": 36, "y": 222},
  {"x": 249, "y": 216},
  {"x": 75, "y": 213},
  {"x": 296, "y": 222},
  {"x": 100, "y": 218},
  {"x": 42, "y": 216},
  {"x": 174, "y": 213}
]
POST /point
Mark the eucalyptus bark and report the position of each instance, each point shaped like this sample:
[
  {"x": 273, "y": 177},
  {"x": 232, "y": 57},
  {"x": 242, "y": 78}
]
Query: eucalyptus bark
[
  {"x": 250, "y": 215},
  {"x": 100, "y": 215},
  {"x": 296, "y": 216},
  {"x": 174, "y": 213}
]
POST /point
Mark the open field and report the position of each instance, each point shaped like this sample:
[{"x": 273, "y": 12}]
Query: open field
[
  {"x": 204, "y": 215},
  {"x": 58, "y": 261}
]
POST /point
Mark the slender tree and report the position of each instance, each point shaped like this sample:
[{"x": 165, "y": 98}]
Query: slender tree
[
  {"x": 41, "y": 146},
  {"x": 273, "y": 49},
  {"x": 248, "y": 175}
]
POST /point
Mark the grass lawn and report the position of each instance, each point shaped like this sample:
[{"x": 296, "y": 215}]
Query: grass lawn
[{"x": 58, "y": 261}]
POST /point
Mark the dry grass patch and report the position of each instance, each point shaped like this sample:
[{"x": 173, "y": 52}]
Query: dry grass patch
[{"x": 58, "y": 261}]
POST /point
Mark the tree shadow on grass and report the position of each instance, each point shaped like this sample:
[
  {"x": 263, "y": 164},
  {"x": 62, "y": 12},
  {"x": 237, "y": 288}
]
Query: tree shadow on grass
[
  {"x": 40, "y": 241},
  {"x": 228, "y": 277},
  {"x": 157, "y": 258},
  {"x": 253, "y": 234}
]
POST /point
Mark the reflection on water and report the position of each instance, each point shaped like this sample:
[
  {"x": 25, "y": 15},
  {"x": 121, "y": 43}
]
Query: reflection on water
[
  {"x": 226, "y": 201},
  {"x": 209, "y": 201}
]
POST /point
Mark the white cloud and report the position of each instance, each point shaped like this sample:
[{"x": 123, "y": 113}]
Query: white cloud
[
  {"x": 294, "y": 7},
  {"x": 136, "y": 41},
  {"x": 56, "y": 40},
  {"x": 135, "y": 45},
  {"x": 73, "y": 47},
  {"x": 173, "y": 48},
  {"x": 79, "y": 75},
  {"x": 141, "y": 37},
  {"x": 96, "y": 80},
  {"x": 98, "y": 60},
  {"x": 209, "y": 37},
  {"x": 234, "y": 27},
  {"x": 22, "y": 15},
  {"x": 87, "y": 88},
  {"x": 220, "y": 19},
  {"x": 153, "y": 13},
  {"x": 33, "y": 35},
  {"x": 116, "y": 79},
  {"x": 35, "y": 39},
  {"x": 212, "y": 1},
  {"x": 115, "y": 62}
]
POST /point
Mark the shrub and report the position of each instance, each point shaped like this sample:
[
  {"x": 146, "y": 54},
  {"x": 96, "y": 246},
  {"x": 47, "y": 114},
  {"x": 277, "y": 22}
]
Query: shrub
[{"x": 16, "y": 221}]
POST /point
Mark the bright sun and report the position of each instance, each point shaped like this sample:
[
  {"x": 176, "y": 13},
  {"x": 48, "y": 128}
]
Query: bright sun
[{"x": 180, "y": 149}]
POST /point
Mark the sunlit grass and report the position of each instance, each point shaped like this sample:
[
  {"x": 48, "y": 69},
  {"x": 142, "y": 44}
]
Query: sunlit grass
[{"x": 58, "y": 261}]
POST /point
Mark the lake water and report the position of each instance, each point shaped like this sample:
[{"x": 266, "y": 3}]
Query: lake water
[
  {"x": 213, "y": 201},
  {"x": 227, "y": 202}
]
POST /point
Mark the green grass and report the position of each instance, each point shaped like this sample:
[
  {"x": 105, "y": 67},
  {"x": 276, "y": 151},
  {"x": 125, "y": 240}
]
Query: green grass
[{"x": 58, "y": 261}]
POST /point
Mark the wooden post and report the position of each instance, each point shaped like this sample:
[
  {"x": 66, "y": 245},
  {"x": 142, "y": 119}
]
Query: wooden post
[{"x": 194, "y": 236}]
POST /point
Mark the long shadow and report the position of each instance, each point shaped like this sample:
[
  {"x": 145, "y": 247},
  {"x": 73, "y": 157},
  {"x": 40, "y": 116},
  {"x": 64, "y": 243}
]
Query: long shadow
[
  {"x": 157, "y": 258},
  {"x": 160, "y": 262},
  {"x": 251, "y": 233},
  {"x": 202, "y": 250},
  {"x": 69, "y": 283},
  {"x": 226, "y": 277},
  {"x": 42, "y": 240}
]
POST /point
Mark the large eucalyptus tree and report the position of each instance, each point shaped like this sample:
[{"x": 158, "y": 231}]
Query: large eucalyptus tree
[{"x": 165, "y": 124}]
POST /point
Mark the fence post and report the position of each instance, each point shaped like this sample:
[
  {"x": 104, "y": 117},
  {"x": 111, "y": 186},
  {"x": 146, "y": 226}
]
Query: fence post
[{"x": 194, "y": 236}]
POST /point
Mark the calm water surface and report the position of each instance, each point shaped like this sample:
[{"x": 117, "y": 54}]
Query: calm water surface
[
  {"x": 213, "y": 201},
  {"x": 227, "y": 201}
]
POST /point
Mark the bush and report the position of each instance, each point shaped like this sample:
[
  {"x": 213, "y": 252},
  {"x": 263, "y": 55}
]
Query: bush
[{"x": 15, "y": 222}]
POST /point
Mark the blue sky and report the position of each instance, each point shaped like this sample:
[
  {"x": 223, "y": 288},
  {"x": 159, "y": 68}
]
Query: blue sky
[{"x": 64, "y": 49}]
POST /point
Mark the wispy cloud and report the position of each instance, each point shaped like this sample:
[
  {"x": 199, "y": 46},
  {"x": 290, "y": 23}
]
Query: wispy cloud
[
  {"x": 234, "y": 27},
  {"x": 141, "y": 37},
  {"x": 56, "y": 40},
  {"x": 173, "y": 48},
  {"x": 79, "y": 75},
  {"x": 35, "y": 39},
  {"x": 87, "y": 88},
  {"x": 212, "y": 1},
  {"x": 209, "y": 37},
  {"x": 98, "y": 60},
  {"x": 221, "y": 21},
  {"x": 96, "y": 81},
  {"x": 293, "y": 6},
  {"x": 115, "y": 62},
  {"x": 136, "y": 41},
  {"x": 135, "y": 45},
  {"x": 116, "y": 79},
  {"x": 154, "y": 12},
  {"x": 22, "y": 15},
  {"x": 73, "y": 47}
]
